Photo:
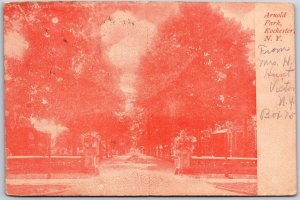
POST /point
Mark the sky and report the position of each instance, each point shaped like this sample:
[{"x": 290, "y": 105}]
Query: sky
[
  {"x": 241, "y": 12},
  {"x": 126, "y": 37}
]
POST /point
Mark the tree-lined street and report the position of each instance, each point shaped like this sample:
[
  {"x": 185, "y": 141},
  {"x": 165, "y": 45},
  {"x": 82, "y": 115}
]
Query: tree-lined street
[{"x": 130, "y": 98}]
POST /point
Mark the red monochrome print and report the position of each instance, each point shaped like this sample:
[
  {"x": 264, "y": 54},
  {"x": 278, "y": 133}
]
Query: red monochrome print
[{"x": 130, "y": 98}]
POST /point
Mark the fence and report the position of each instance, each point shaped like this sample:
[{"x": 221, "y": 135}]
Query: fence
[
  {"x": 42, "y": 164},
  {"x": 222, "y": 165}
]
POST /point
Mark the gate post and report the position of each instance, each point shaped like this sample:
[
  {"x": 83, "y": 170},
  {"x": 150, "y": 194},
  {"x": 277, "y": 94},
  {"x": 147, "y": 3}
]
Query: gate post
[{"x": 90, "y": 151}]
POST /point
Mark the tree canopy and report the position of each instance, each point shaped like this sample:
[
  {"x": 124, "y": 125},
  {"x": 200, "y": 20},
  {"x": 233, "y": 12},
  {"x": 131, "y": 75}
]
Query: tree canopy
[{"x": 197, "y": 73}]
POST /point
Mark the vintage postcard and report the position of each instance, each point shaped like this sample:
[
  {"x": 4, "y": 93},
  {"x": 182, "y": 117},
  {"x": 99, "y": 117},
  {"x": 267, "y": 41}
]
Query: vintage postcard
[{"x": 149, "y": 98}]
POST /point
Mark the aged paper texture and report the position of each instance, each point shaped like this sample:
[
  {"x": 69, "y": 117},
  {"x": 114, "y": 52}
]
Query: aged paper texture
[
  {"x": 149, "y": 98},
  {"x": 275, "y": 92}
]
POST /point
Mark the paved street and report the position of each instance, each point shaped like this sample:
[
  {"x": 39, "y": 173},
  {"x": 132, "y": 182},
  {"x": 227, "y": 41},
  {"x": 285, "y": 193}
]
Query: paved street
[{"x": 128, "y": 175}]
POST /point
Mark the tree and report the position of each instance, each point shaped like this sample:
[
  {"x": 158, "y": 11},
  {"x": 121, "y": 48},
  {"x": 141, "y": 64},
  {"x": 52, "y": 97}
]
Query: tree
[
  {"x": 61, "y": 74},
  {"x": 197, "y": 72}
]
